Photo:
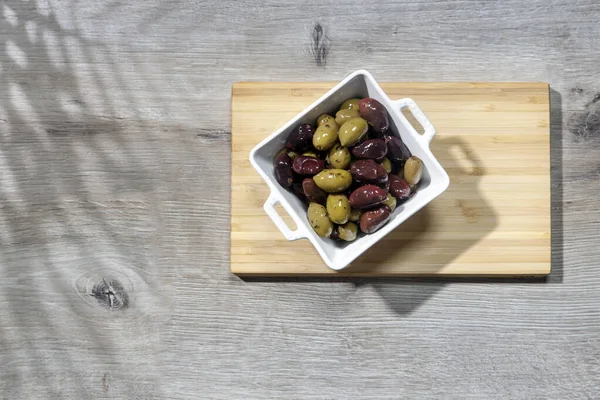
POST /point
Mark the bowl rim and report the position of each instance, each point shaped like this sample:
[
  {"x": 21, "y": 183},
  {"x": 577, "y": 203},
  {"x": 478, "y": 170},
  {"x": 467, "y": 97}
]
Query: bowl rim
[{"x": 304, "y": 232}]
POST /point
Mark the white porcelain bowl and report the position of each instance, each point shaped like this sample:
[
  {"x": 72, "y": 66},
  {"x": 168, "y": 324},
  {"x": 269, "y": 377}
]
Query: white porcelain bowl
[{"x": 337, "y": 254}]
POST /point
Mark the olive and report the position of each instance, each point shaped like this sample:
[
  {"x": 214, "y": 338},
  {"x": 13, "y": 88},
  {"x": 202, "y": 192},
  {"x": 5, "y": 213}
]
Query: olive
[
  {"x": 299, "y": 191},
  {"x": 310, "y": 154},
  {"x": 292, "y": 155},
  {"x": 333, "y": 180},
  {"x": 325, "y": 136},
  {"x": 300, "y": 138},
  {"x": 413, "y": 170},
  {"x": 324, "y": 119},
  {"x": 312, "y": 192},
  {"x": 344, "y": 115},
  {"x": 390, "y": 202},
  {"x": 305, "y": 165},
  {"x": 374, "y": 149},
  {"x": 398, "y": 168},
  {"x": 334, "y": 234},
  {"x": 338, "y": 208},
  {"x": 375, "y": 135},
  {"x": 368, "y": 171},
  {"x": 399, "y": 188},
  {"x": 283, "y": 158},
  {"x": 284, "y": 175},
  {"x": 367, "y": 196},
  {"x": 355, "y": 215},
  {"x": 339, "y": 156},
  {"x": 397, "y": 150},
  {"x": 387, "y": 165},
  {"x": 385, "y": 185},
  {"x": 375, "y": 114},
  {"x": 371, "y": 221},
  {"x": 318, "y": 219},
  {"x": 348, "y": 231},
  {"x": 350, "y": 104},
  {"x": 352, "y": 131}
]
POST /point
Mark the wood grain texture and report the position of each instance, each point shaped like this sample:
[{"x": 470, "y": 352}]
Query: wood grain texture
[
  {"x": 115, "y": 163},
  {"x": 493, "y": 139}
]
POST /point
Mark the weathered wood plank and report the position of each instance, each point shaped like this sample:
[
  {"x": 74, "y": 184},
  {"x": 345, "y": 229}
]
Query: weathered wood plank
[{"x": 114, "y": 164}]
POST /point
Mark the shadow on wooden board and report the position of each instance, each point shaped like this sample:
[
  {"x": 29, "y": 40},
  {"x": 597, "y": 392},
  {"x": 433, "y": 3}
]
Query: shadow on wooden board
[
  {"x": 468, "y": 170},
  {"x": 404, "y": 295},
  {"x": 556, "y": 194}
]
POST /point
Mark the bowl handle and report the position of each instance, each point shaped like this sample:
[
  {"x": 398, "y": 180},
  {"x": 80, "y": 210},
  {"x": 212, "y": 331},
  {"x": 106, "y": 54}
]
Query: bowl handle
[
  {"x": 289, "y": 234},
  {"x": 420, "y": 117}
]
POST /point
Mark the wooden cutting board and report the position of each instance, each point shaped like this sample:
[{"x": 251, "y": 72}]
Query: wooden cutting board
[{"x": 493, "y": 139}]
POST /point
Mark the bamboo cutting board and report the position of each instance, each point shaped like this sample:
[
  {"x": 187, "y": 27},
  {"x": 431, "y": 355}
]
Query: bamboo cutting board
[{"x": 493, "y": 139}]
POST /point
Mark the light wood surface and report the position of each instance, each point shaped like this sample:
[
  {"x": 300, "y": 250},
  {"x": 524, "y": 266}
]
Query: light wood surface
[
  {"x": 115, "y": 165},
  {"x": 493, "y": 139}
]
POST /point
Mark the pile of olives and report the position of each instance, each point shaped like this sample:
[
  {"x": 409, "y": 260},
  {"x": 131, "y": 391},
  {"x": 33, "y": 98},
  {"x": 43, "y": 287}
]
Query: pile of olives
[{"x": 350, "y": 171}]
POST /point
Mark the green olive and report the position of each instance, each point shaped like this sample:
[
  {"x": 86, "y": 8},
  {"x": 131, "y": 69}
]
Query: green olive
[
  {"x": 387, "y": 165},
  {"x": 413, "y": 170},
  {"x": 324, "y": 119},
  {"x": 350, "y": 104},
  {"x": 339, "y": 156},
  {"x": 352, "y": 131},
  {"x": 333, "y": 180},
  {"x": 390, "y": 201},
  {"x": 325, "y": 136},
  {"x": 320, "y": 222},
  {"x": 292, "y": 155},
  {"x": 355, "y": 215},
  {"x": 344, "y": 115},
  {"x": 338, "y": 208},
  {"x": 284, "y": 150},
  {"x": 348, "y": 231},
  {"x": 310, "y": 154}
]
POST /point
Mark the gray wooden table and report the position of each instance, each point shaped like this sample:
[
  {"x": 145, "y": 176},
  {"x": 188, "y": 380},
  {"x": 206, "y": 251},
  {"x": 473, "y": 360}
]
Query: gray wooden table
[{"x": 114, "y": 210}]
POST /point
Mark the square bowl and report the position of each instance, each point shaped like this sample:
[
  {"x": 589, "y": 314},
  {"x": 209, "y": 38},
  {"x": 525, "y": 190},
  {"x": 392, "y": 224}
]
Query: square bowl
[{"x": 337, "y": 254}]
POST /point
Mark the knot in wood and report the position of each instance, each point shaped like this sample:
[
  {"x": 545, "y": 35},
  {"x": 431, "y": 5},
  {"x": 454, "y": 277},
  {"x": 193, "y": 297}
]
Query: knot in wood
[{"x": 110, "y": 294}]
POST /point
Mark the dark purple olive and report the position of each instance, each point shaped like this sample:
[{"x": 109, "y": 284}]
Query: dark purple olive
[
  {"x": 301, "y": 138},
  {"x": 371, "y": 134},
  {"x": 306, "y": 165},
  {"x": 368, "y": 171},
  {"x": 355, "y": 185},
  {"x": 396, "y": 149},
  {"x": 399, "y": 188},
  {"x": 367, "y": 196},
  {"x": 374, "y": 149},
  {"x": 298, "y": 191},
  {"x": 371, "y": 221},
  {"x": 374, "y": 113},
  {"x": 334, "y": 234},
  {"x": 283, "y": 158},
  {"x": 398, "y": 167},
  {"x": 313, "y": 193},
  {"x": 385, "y": 185},
  {"x": 284, "y": 175}
]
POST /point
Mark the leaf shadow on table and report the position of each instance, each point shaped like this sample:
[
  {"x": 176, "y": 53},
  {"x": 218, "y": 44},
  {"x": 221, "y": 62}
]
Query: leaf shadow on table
[{"x": 69, "y": 170}]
